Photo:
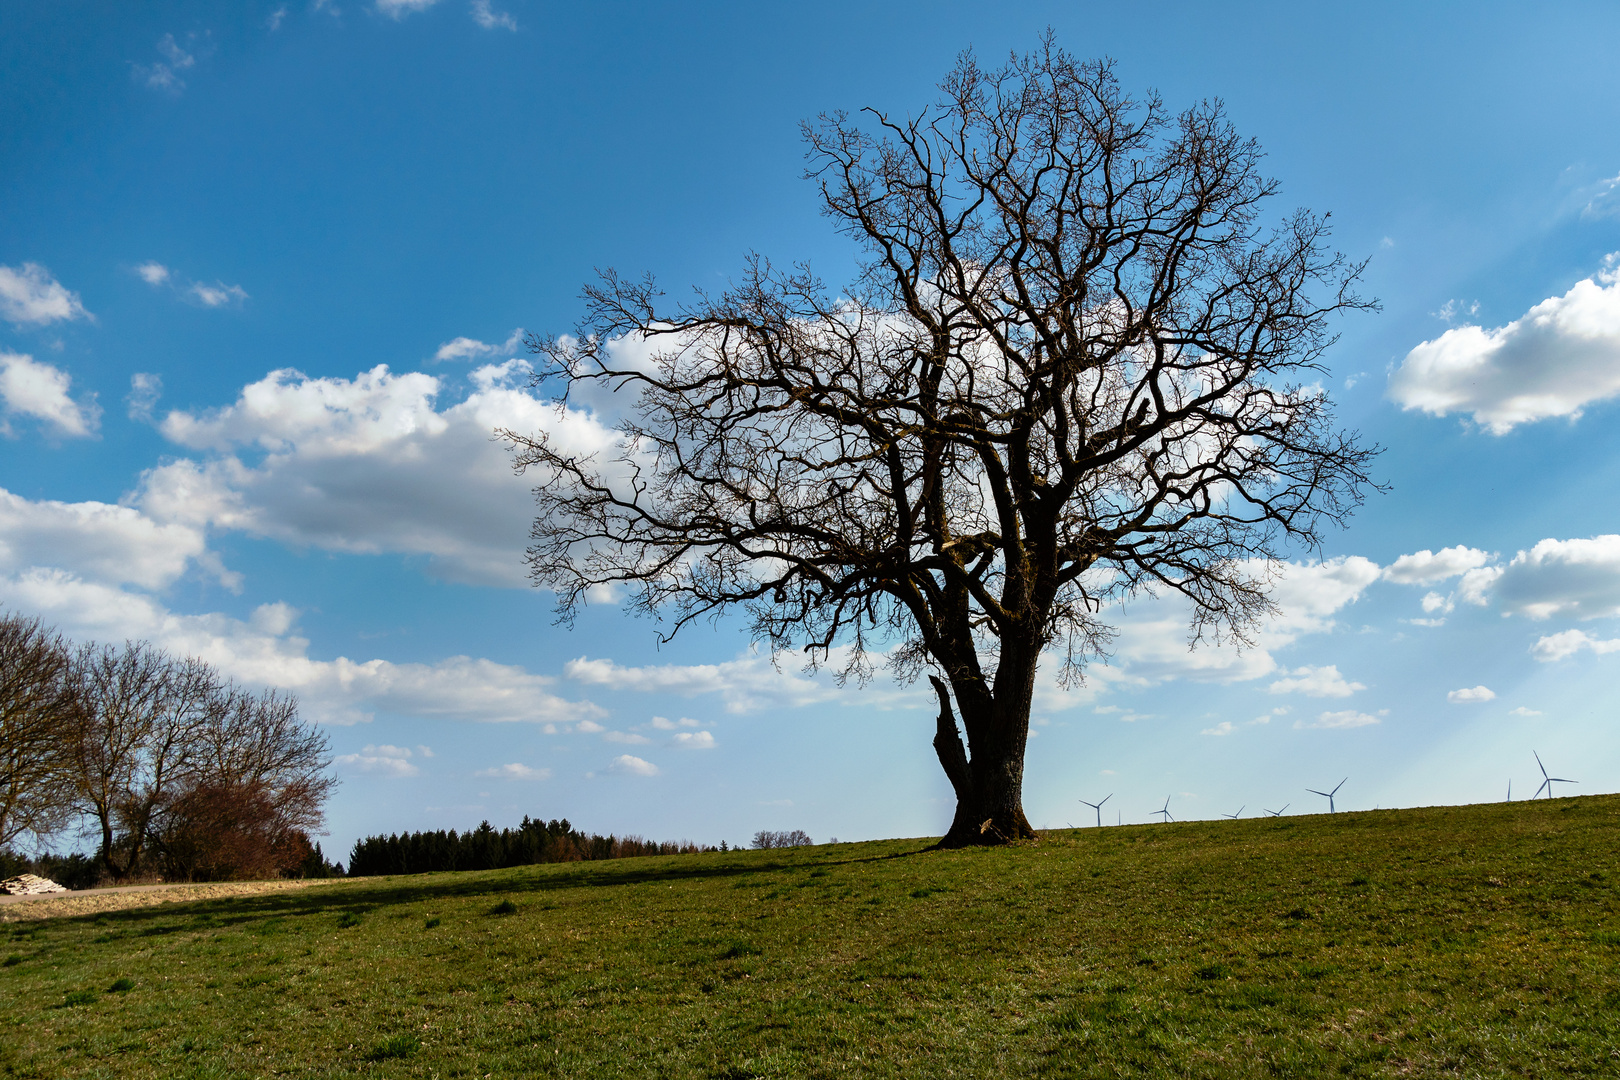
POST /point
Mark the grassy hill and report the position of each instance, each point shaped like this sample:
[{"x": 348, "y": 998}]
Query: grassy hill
[{"x": 1472, "y": 941}]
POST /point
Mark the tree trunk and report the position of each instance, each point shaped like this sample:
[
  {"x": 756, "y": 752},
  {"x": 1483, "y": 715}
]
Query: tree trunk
[{"x": 990, "y": 786}]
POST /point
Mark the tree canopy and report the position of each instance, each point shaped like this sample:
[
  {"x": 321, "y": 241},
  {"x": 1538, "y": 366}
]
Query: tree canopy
[{"x": 1081, "y": 359}]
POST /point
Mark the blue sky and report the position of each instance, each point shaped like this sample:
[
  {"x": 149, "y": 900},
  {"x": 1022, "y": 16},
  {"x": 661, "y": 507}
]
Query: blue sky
[{"x": 261, "y": 271}]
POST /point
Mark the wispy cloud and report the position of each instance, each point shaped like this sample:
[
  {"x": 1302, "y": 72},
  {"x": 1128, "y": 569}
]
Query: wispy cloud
[
  {"x": 165, "y": 74},
  {"x": 490, "y": 19},
  {"x": 515, "y": 770},
  {"x": 382, "y": 759}
]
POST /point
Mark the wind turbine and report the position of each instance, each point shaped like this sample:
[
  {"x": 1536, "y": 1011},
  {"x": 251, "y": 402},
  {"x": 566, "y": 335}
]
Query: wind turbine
[
  {"x": 1238, "y": 814},
  {"x": 1097, "y": 806},
  {"x": 1278, "y": 813},
  {"x": 1328, "y": 795},
  {"x": 1165, "y": 812},
  {"x": 1548, "y": 781}
]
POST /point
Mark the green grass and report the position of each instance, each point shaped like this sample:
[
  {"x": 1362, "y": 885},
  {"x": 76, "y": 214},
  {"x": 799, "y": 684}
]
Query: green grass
[{"x": 1468, "y": 941}]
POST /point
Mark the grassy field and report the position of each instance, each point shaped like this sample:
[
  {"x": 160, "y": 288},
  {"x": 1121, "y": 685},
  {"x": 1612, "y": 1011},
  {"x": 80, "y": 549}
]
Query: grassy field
[{"x": 1465, "y": 941}]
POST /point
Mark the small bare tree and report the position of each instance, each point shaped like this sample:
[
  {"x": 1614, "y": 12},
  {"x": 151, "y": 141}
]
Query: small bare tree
[
  {"x": 1078, "y": 362},
  {"x": 39, "y": 718}
]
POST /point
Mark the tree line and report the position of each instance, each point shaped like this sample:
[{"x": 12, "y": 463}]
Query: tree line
[
  {"x": 171, "y": 769},
  {"x": 485, "y": 848}
]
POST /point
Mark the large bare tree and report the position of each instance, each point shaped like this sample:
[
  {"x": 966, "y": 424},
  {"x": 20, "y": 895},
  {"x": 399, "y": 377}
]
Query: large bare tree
[{"x": 1080, "y": 359}]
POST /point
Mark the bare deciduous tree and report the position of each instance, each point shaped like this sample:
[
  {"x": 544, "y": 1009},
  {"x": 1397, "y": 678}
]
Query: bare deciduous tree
[
  {"x": 1079, "y": 361},
  {"x": 38, "y": 720}
]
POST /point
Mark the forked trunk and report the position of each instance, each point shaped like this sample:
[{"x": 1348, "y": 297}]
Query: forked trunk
[{"x": 990, "y": 786}]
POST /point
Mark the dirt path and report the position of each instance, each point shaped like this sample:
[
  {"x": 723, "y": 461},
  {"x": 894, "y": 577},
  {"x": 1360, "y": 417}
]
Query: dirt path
[{"x": 95, "y": 901}]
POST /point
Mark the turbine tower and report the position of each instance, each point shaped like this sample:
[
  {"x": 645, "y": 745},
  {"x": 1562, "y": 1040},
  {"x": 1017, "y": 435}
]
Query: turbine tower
[
  {"x": 1548, "y": 781},
  {"x": 1328, "y": 795},
  {"x": 1097, "y": 806}
]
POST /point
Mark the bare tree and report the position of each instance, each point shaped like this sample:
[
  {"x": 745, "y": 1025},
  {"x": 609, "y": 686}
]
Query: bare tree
[
  {"x": 1079, "y": 361},
  {"x": 144, "y": 712},
  {"x": 38, "y": 721}
]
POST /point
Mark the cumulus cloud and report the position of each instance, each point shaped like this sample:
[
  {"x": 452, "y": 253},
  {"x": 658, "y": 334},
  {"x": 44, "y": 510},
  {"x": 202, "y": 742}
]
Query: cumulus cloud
[
  {"x": 31, "y": 388},
  {"x": 1152, "y": 643},
  {"x": 29, "y": 295},
  {"x": 1427, "y": 567},
  {"x": 484, "y": 15},
  {"x": 1522, "y": 711},
  {"x": 384, "y": 759},
  {"x": 1560, "y": 356},
  {"x": 1315, "y": 682},
  {"x": 1471, "y": 695},
  {"x": 1348, "y": 718},
  {"x": 515, "y": 770},
  {"x": 693, "y": 740},
  {"x": 266, "y": 650},
  {"x": 369, "y": 465},
  {"x": 1568, "y": 643},
  {"x": 1222, "y": 728},
  {"x": 631, "y": 765},
  {"x": 153, "y": 273},
  {"x": 1577, "y": 578},
  {"x": 744, "y": 684},
  {"x": 113, "y": 544}
]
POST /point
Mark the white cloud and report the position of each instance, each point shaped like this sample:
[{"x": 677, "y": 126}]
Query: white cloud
[
  {"x": 632, "y": 765},
  {"x": 628, "y": 738},
  {"x": 1568, "y": 643},
  {"x": 398, "y": 9},
  {"x": 466, "y": 348},
  {"x": 1522, "y": 711},
  {"x": 165, "y": 75},
  {"x": 370, "y": 465},
  {"x": 265, "y": 650},
  {"x": 31, "y": 388},
  {"x": 30, "y": 295},
  {"x": 1427, "y": 567},
  {"x": 1222, "y": 728},
  {"x": 693, "y": 740},
  {"x": 1560, "y": 356},
  {"x": 1348, "y": 718},
  {"x": 1578, "y": 578},
  {"x": 514, "y": 771},
  {"x": 744, "y": 684},
  {"x": 113, "y": 544},
  {"x": 384, "y": 759},
  {"x": 1152, "y": 643},
  {"x": 145, "y": 388},
  {"x": 218, "y": 294},
  {"x": 664, "y": 724},
  {"x": 1471, "y": 695},
  {"x": 274, "y": 21},
  {"x": 1315, "y": 682},
  {"x": 489, "y": 19}
]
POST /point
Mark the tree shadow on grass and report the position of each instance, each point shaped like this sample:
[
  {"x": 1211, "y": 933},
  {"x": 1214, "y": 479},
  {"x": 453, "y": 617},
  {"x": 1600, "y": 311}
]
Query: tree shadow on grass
[{"x": 358, "y": 896}]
